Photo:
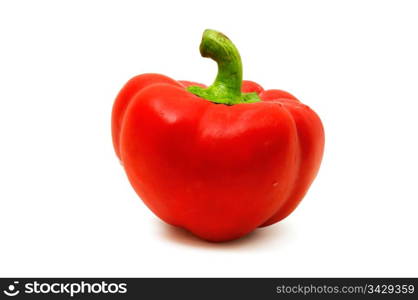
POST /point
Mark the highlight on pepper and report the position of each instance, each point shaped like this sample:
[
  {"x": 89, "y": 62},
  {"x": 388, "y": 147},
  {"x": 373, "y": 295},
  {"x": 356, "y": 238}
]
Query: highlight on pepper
[{"x": 219, "y": 160}]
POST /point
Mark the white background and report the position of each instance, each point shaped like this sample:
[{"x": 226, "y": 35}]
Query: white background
[{"x": 66, "y": 207}]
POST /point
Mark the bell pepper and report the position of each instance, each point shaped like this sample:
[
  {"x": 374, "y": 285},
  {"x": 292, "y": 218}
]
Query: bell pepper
[{"x": 219, "y": 161}]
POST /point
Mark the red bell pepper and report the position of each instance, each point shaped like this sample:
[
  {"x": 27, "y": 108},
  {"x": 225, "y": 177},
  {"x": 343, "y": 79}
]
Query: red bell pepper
[{"x": 219, "y": 161}]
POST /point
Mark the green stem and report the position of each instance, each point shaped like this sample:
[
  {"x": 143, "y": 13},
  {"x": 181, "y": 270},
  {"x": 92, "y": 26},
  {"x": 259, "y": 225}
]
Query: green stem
[{"x": 227, "y": 86}]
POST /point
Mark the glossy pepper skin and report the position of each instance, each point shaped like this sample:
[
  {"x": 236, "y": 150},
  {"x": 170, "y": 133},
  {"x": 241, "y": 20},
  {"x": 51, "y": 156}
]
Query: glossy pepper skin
[{"x": 218, "y": 161}]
